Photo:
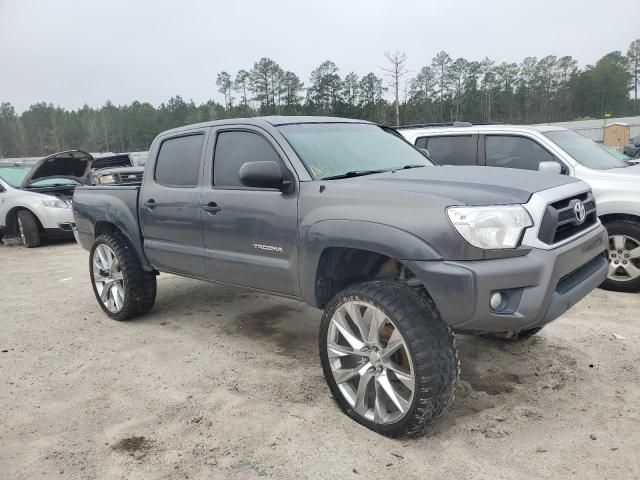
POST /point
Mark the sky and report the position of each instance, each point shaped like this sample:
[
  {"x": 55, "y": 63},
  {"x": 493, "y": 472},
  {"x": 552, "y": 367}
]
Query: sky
[{"x": 76, "y": 52}]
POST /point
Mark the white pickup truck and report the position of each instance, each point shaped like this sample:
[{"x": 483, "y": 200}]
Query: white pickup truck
[{"x": 614, "y": 182}]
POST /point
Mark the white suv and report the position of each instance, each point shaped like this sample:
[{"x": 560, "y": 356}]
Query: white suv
[{"x": 615, "y": 183}]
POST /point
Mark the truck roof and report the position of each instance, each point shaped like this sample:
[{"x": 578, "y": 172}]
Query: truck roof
[
  {"x": 272, "y": 120},
  {"x": 481, "y": 128}
]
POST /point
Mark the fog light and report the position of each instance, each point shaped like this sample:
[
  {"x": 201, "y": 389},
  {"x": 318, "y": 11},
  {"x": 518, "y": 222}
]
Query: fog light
[{"x": 496, "y": 301}]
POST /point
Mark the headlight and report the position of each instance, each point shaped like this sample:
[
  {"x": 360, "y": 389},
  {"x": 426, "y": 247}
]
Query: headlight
[
  {"x": 493, "y": 227},
  {"x": 106, "y": 179},
  {"x": 56, "y": 203}
]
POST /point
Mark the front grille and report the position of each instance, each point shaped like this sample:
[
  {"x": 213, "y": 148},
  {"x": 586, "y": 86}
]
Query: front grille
[
  {"x": 111, "y": 162},
  {"x": 559, "y": 221},
  {"x": 128, "y": 178}
]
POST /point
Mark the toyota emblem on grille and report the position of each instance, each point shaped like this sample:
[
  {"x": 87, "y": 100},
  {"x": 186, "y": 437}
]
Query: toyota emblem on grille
[{"x": 580, "y": 212}]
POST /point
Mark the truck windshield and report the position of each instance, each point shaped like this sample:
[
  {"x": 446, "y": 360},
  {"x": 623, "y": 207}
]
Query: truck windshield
[
  {"x": 334, "y": 149},
  {"x": 584, "y": 151}
]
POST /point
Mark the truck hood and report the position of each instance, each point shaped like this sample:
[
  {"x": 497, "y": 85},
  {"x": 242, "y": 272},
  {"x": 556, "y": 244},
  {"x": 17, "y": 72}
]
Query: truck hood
[
  {"x": 467, "y": 185},
  {"x": 72, "y": 164},
  {"x": 626, "y": 174}
]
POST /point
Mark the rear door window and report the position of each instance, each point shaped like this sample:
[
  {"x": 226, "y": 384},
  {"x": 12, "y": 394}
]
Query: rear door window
[
  {"x": 451, "y": 150},
  {"x": 178, "y": 163},
  {"x": 515, "y": 152}
]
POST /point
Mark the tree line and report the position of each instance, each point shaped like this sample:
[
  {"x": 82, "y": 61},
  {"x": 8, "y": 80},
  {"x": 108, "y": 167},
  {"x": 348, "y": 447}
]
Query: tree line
[{"x": 445, "y": 90}]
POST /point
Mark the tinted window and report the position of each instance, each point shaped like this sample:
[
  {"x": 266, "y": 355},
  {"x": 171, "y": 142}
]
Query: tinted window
[
  {"x": 233, "y": 149},
  {"x": 452, "y": 150},
  {"x": 179, "y": 161},
  {"x": 515, "y": 152}
]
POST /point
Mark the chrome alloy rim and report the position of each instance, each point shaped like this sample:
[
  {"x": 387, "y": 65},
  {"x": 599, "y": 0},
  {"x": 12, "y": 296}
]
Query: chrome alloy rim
[
  {"x": 107, "y": 277},
  {"x": 370, "y": 362},
  {"x": 624, "y": 258}
]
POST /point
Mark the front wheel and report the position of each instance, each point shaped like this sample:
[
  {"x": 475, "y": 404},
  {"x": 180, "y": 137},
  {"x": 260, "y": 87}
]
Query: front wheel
[
  {"x": 122, "y": 287},
  {"x": 624, "y": 256},
  {"x": 28, "y": 229},
  {"x": 390, "y": 361}
]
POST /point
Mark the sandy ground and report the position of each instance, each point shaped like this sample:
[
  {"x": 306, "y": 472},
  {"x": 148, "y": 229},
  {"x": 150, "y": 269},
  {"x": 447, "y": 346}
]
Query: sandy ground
[{"x": 218, "y": 382}]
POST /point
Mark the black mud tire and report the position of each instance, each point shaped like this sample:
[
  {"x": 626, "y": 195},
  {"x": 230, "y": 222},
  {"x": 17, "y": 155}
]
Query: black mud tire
[
  {"x": 139, "y": 284},
  {"x": 431, "y": 345},
  {"x": 630, "y": 229},
  {"x": 28, "y": 228}
]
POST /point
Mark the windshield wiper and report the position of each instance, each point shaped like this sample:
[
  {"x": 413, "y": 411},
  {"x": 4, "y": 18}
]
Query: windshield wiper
[
  {"x": 354, "y": 173},
  {"x": 411, "y": 165}
]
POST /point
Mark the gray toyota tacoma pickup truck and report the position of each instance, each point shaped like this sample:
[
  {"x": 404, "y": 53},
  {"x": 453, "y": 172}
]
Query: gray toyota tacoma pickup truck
[{"x": 349, "y": 217}]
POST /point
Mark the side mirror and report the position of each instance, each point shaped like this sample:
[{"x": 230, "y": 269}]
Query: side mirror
[
  {"x": 550, "y": 167},
  {"x": 262, "y": 175}
]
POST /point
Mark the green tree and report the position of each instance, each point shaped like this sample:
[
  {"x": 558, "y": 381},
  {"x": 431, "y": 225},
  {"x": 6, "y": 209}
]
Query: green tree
[
  {"x": 350, "y": 93},
  {"x": 324, "y": 88},
  {"x": 633, "y": 54},
  {"x": 440, "y": 65},
  {"x": 421, "y": 88},
  {"x": 371, "y": 91},
  {"x": 225, "y": 87},
  {"x": 604, "y": 88},
  {"x": 241, "y": 85},
  {"x": 263, "y": 82},
  {"x": 457, "y": 78},
  {"x": 291, "y": 87}
]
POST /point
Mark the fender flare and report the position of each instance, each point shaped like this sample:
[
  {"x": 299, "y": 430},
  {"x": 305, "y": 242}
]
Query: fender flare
[
  {"x": 362, "y": 235},
  {"x": 89, "y": 218}
]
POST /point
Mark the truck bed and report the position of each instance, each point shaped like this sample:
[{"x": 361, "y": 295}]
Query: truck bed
[{"x": 108, "y": 204}]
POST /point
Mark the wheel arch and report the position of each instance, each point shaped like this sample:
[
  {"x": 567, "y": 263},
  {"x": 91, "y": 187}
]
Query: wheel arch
[
  {"x": 628, "y": 217},
  {"x": 12, "y": 218},
  {"x": 103, "y": 227},
  {"x": 339, "y": 253}
]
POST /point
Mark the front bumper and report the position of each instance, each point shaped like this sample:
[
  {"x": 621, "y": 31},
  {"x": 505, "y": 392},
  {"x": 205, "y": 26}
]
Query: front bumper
[
  {"x": 52, "y": 218},
  {"x": 64, "y": 230},
  {"x": 540, "y": 286}
]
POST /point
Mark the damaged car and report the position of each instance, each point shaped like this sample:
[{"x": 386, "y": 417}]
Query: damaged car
[{"x": 35, "y": 199}]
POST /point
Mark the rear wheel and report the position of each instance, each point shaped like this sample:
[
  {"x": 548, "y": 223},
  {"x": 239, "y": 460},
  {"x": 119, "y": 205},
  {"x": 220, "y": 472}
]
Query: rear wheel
[
  {"x": 390, "y": 361},
  {"x": 28, "y": 229},
  {"x": 624, "y": 256},
  {"x": 122, "y": 287}
]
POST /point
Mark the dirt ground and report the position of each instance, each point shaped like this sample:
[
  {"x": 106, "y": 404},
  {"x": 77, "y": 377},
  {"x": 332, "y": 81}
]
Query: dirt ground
[{"x": 218, "y": 382}]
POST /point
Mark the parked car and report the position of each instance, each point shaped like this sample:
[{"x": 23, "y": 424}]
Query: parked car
[
  {"x": 114, "y": 168},
  {"x": 632, "y": 150},
  {"x": 615, "y": 183},
  {"x": 35, "y": 199},
  {"x": 118, "y": 176},
  {"x": 347, "y": 216}
]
